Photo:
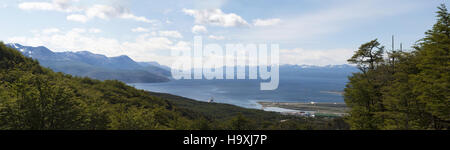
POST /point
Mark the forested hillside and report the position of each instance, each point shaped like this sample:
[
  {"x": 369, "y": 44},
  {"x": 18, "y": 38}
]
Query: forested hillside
[
  {"x": 33, "y": 97},
  {"x": 409, "y": 89}
]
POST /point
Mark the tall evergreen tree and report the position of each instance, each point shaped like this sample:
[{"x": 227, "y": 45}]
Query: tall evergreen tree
[
  {"x": 368, "y": 56},
  {"x": 408, "y": 92},
  {"x": 431, "y": 85}
]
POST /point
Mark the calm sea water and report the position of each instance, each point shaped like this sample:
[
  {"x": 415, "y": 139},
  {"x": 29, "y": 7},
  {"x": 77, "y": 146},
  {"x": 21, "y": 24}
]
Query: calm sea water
[{"x": 246, "y": 93}]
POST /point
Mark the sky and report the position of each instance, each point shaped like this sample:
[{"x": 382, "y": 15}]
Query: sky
[{"x": 308, "y": 32}]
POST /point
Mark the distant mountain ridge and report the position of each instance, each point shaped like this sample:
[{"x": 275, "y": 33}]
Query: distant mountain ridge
[
  {"x": 85, "y": 63},
  {"x": 156, "y": 67},
  {"x": 288, "y": 70},
  {"x": 123, "y": 68},
  {"x": 343, "y": 70}
]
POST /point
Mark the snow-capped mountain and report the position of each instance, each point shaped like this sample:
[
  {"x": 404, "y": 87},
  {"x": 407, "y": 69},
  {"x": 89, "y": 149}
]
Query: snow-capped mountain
[{"x": 318, "y": 71}]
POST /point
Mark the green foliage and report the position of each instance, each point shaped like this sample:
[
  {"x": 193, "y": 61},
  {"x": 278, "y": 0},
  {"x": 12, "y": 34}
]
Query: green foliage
[
  {"x": 368, "y": 56},
  {"x": 133, "y": 118},
  {"x": 432, "y": 82},
  {"x": 241, "y": 123},
  {"x": 36, "y": 98},
  {"x": 410, "y": 90},
  {"x": 202, "y": 124}
]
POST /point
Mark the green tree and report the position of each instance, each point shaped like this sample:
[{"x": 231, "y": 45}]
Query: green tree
[
  {"x": 408, "y": 92},
  {"x": 368, "y": 56},
  {"x": 432, "y": 83},
  {"x": 37, "y": 104},
  {"x": 363, "y": 92},
  {"x": 241, "y": 123}
]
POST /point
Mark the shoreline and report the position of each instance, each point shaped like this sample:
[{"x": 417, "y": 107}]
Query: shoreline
[
  {"x": 308, "y": 109},
  {"x": 287, "y": 108}
]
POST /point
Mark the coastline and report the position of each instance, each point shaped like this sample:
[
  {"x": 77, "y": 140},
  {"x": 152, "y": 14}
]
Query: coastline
[
  {"x": 308, "y": 109},
  {"x": 287, "y": 108}
]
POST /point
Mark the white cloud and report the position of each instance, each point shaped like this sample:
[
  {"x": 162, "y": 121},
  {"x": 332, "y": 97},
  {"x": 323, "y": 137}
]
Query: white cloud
[
  {"x": 38, "y": 6},
  {"x": 140, "y": 29},
  {"x": 136, "y": 18},
  {"x": 50, "y": 31},
  {"x": 266, "y": 22},
  {"x": 78, "y": 30},
  {"x": 102, "y": 12},
  {"x": 73, "y": 40},
  {"x": 77, "y": 18},
  {"x": 94, "y": 30},
  {"x": 145, "y": 44},
  {"x": 216, "y": 37},
  {"x": 197, "y": 29},
  {"x": 164, "y": 33},
  {"x": 106, "y": 12},
  {"x": 315, "y": 57},
  {"x": 182, "y": 45},
  {"x": 55, "y": 5},
  {"x": 173, "y": 34},
  {"x": 142, "y": 48},
  {"x": 216, "y": 17}
]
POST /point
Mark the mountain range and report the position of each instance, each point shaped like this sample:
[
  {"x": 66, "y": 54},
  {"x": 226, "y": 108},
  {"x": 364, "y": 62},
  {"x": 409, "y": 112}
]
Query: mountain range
[
  {"x": 329, "y": 71},
  {"x": 289, "y": 71},
  {"x": 85, "y": 63}
]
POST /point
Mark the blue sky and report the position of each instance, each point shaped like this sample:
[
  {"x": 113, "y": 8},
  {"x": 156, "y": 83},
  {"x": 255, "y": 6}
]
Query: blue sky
[{"x": 309, "y": 31}]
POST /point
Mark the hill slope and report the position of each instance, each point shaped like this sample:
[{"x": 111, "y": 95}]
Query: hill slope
[{"x": 33, "y": 97}]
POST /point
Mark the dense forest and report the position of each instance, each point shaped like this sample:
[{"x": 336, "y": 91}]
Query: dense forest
[
  {"x": 404, "y": 89},
  {"x": 36, "y": 98}
]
